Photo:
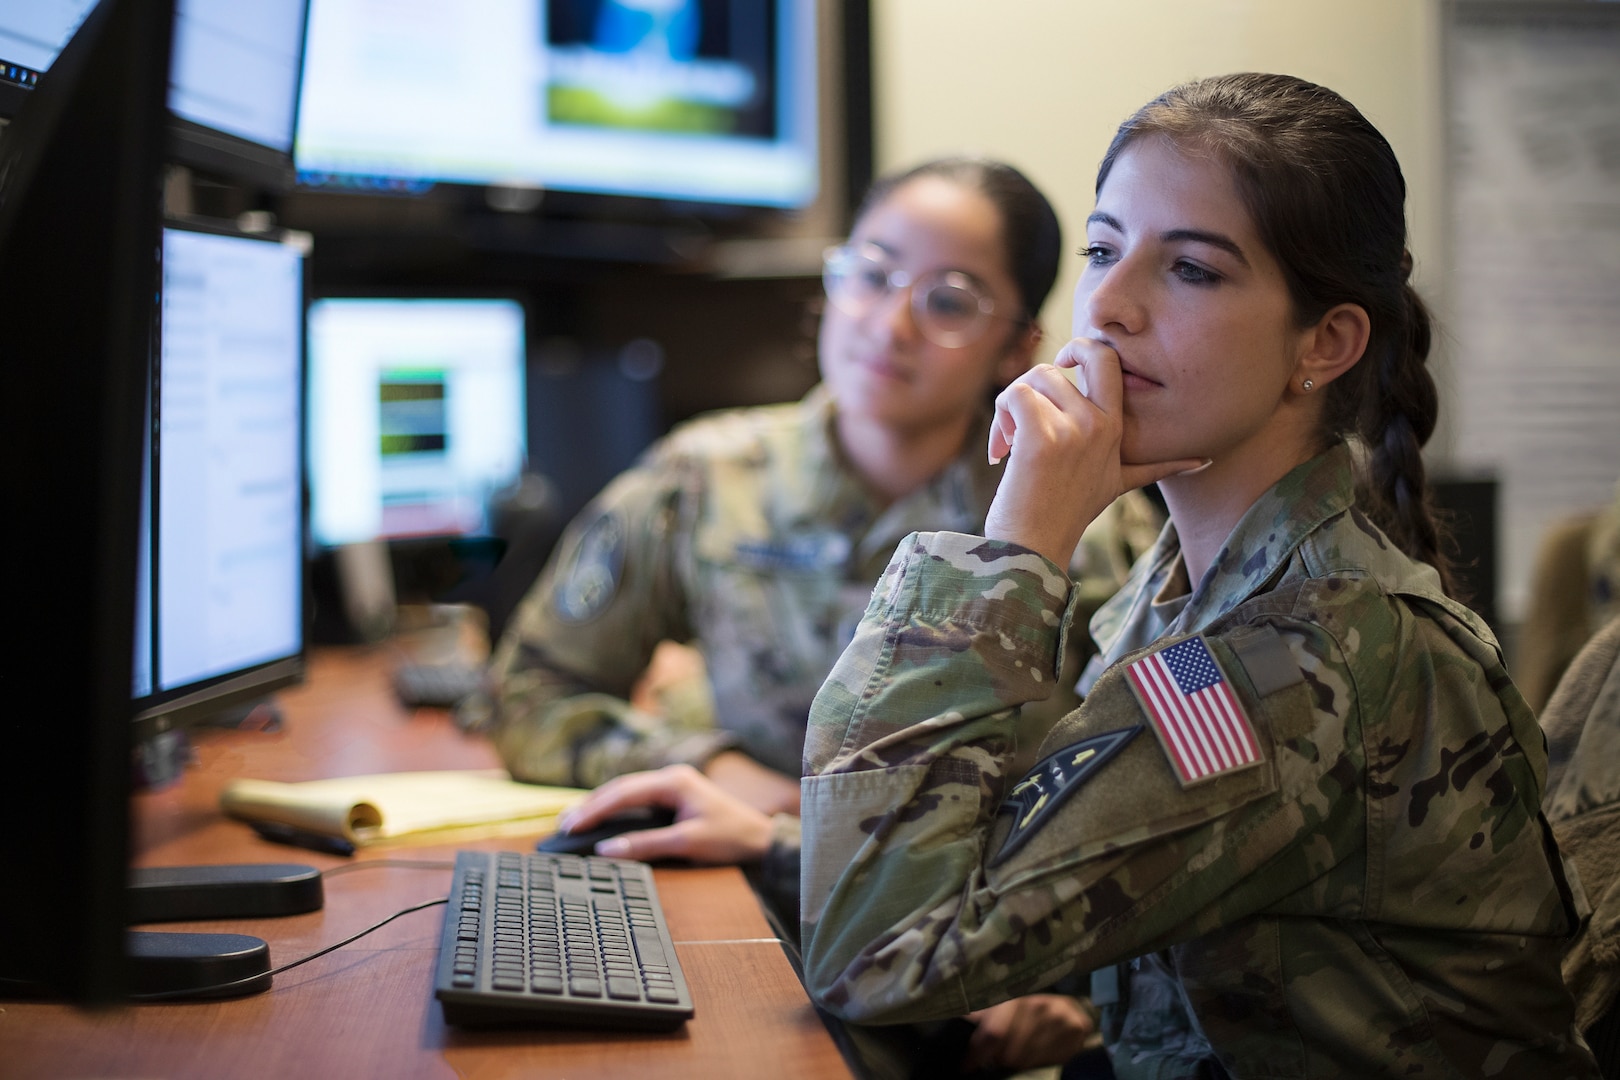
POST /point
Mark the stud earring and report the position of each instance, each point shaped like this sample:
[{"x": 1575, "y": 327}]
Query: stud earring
[{"x": 1307, "y": 385}]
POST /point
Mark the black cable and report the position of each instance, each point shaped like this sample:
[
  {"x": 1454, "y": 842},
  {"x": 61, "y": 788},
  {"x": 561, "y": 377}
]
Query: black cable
[{"x": 273, "y": 972}]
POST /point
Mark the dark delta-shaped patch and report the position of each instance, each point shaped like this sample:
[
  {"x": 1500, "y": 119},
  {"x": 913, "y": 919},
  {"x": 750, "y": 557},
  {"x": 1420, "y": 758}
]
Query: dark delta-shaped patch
[
  {"x": 1467, "y": 770},
  {"x": 1387, "y": 756},
  {"x": 914, "y": 810},
  {"x": 1501, "y": 787},
  {"x": 1410, "y": 1037},
  {"x": 1108, "y": 900},
  {"x": 1323, "y": 692},
  {"x": 1427, "y": 790},
  {"x": 1343, "y": 773},
  {"x": 1009, "y": 953},
  {"x": 1362, "y": 522},
  {"x": 987, "y": 552},
  {"x": 1256, "y": 998},
  {"x": 1034, "y": 800},
  {"x": 947, "y": 637},
  {"x": 1256, "y": 562},
  {"x": 891, "y": 755}
]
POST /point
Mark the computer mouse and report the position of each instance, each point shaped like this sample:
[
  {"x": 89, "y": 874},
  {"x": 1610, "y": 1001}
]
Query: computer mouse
[{"x": 584, "y": 842}]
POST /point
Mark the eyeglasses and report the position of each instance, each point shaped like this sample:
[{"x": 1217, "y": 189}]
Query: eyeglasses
[{"x": 949, "y": 307}]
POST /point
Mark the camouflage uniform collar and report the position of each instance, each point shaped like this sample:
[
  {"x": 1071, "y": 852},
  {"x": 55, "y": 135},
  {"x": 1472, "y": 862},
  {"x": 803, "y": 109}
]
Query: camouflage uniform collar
[
  {"x": 1154, "y": 602},
  {"x": 1268, "y": 534},
  {"x": 954, "y": 500}
]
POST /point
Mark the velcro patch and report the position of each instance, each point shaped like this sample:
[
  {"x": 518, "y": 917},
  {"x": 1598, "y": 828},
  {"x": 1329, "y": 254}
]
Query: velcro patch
[
  {"x": 1053, "y": 779},
  {"x": 1194, "y": 711},
  {"x": 1265, "y": 656}
]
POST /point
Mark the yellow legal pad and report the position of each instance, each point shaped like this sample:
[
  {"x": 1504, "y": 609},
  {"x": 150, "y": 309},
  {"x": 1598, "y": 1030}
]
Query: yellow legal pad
[{"x": 410, "y": 806}]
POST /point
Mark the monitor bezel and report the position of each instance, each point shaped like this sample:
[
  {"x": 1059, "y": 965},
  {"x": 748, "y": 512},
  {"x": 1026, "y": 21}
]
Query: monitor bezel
[
  {"x": 202, "y": 700},
  {"x": 599, "y": 202},
  {"x": 209, "y": 150},
  {"x": 220, "y": 153},
  {"x": 407, "y": 543}
]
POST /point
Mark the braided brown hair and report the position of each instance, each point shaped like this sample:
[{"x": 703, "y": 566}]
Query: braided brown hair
[{"x": 1328, "y": 200}]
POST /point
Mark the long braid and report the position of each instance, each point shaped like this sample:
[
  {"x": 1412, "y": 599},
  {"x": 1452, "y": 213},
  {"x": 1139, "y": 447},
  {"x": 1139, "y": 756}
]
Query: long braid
[{"x": 1396, "y": 423}]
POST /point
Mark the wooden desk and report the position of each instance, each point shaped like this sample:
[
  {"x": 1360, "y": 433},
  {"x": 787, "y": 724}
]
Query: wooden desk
[{"x": 367, "y": 1010}]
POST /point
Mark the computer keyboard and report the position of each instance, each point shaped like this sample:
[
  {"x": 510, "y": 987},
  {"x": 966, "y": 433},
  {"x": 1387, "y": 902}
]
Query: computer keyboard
[
  {"x": 436, "y": 685},
  {"x": 557, "y": 940}
]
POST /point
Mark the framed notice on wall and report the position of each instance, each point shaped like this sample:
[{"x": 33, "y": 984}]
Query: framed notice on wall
[{"x": 1533, "y": 176}]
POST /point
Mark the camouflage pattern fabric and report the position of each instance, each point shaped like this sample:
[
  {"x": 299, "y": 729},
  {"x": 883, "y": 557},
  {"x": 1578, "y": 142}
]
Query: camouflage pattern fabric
[
  {"x": 1380, "y": 896},
  {"x": 744, "y": 533},
  {"x": 1603, "y": 565},
  {"x": 1582, "y": 722}
]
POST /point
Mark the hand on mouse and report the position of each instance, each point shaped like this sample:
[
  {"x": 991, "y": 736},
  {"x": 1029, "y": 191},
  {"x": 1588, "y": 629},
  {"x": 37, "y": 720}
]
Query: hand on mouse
[{"x": 710, "y": 827}]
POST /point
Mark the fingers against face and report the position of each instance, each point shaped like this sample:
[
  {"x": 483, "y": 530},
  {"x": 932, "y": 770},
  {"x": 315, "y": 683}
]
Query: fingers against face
[
  {"x": 1098, "y": 380},
  {"x": 1065, "y": 464},
  {"x": 1090, "y": 371},
  {"x": 1091, "y": 406}
]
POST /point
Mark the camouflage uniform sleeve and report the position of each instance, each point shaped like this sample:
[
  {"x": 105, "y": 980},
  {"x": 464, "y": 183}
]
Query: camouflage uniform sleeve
[
  {"x": 920, "y": 900},
  {"x": 586, "y": 630}
]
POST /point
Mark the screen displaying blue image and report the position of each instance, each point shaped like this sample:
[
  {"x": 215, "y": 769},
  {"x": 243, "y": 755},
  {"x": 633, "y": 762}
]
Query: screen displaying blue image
[{"x": 705, "y": 100}]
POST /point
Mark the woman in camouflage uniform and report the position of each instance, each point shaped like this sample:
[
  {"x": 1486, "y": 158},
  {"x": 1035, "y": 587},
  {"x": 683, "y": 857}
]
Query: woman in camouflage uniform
[
  {"x": 757, "y": 534},
  {"x": 1301, "y": 799}
]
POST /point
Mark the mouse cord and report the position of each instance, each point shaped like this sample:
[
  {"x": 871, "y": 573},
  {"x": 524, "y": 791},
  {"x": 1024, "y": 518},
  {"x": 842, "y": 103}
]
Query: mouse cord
[{"x": 218, "y": 987}]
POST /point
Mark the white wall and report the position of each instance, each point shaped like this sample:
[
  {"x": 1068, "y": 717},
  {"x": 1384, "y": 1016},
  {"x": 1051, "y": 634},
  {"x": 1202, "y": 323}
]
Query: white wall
[{"x": 1044, "y": 83}]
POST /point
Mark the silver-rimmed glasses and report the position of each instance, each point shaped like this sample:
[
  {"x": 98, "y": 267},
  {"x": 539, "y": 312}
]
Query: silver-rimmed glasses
[{"x": 949, "y": 306}]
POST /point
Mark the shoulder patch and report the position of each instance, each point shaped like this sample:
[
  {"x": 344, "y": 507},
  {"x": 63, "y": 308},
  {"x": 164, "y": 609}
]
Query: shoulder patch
[
  {"x": 1053, "y": 779},
  {"x": 591, "y": 578},
  {"x": 1265, "y": 656},
  {"x": 1194, "y": 711}
]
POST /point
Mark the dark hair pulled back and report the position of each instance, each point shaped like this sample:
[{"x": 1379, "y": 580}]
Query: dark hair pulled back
[
  {"x": 1032, "y": 238},
  {"x": 1328, "y": 200}
]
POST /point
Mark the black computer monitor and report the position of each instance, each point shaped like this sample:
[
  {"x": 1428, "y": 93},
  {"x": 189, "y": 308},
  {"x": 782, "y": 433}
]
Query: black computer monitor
[
  {"x": 31, "y": 34},
  {"x": 80, "y": 220},
  {"x": 705, "y": 101},
  {"x": 233, "y": 90},
  {"x": 220, "y": 612},
  {"x": 416, "y": 415}
]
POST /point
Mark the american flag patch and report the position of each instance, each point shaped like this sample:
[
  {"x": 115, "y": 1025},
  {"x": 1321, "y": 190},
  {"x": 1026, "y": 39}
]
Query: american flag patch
[{"x": 1194, "y": 712}]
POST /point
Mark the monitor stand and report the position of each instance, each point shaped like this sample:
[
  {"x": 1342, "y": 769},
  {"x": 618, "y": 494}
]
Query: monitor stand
[
  {"x": 207, "y": 965},
  {"x": 190, "y": 966}
]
